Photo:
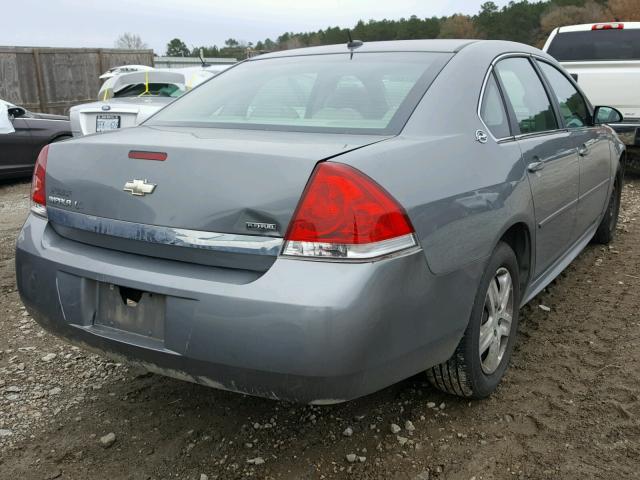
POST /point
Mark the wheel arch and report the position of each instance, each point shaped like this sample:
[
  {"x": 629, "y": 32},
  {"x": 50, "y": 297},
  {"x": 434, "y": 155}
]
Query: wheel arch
[
  {"x": 60, "y": 136},
  {"x": 623, "y": 160},
  {"x": 519, "y": 237}
]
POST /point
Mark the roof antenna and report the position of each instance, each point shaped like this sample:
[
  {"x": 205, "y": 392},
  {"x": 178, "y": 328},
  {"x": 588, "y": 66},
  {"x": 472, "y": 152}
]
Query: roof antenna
[{"x": 352, "y": 44}]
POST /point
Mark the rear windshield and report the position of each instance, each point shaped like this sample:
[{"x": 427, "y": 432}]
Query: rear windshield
[
  {"x": 369, "y": 93},
  {"x": 596, "y": 45},
  {"x": 153, "y": 89}
]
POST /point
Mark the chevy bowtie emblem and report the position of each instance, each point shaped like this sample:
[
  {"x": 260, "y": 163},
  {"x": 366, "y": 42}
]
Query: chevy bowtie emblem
[{"x": 139, "y": 187}]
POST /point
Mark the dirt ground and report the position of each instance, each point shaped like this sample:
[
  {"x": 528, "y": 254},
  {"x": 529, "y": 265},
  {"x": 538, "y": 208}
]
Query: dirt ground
[{"x": 569, "y": 407}]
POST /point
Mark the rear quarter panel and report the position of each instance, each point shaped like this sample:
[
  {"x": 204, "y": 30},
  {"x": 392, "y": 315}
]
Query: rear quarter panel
[
  {"x": 44, "y": 130},
  {"x": 461, "y": 195}
]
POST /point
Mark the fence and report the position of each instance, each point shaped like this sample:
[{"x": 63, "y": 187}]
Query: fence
[{"x": 51, "y": 80}]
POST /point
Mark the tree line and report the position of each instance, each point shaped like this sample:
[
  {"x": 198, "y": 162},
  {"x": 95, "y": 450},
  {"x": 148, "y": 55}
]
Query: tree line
[{"x": 521, "y": 21}]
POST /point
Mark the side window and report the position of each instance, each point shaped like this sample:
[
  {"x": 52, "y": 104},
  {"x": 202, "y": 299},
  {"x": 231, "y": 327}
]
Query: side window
[
  {"x": 492, "y": 110},
  {"x": 572, "y": 105},
  {"x": 526, "y": 95}
]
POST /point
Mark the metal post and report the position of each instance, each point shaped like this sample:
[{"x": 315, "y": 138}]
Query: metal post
[{"x": 42, "y": 98}]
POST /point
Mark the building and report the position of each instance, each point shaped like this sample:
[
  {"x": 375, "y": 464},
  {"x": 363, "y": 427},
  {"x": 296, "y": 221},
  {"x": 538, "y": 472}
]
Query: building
[{"x": 182, "y": 62}]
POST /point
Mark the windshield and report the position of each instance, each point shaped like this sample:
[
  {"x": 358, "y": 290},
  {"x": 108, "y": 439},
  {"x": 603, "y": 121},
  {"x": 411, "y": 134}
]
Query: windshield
[
  {"x": 596, "y": 45},
  {"x": 369, "y": 93}
]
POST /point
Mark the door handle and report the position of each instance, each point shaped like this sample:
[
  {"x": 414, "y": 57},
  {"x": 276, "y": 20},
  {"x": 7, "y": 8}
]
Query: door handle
[
  {"x": 535, "y": 166},
  {"x": 583, "y": 150}
]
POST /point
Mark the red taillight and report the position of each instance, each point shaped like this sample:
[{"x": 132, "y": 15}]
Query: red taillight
[
  {"x": 608, "y": 26},
  {"x": 343, "y": 213},
  {"x": 38, "y": 194}
]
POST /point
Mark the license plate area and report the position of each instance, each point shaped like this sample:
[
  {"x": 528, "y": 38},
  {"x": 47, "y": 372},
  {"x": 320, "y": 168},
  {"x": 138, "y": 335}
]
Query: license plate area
[
  {"x": 105, "y": 123},
  {"x": 131, "y": 310}
]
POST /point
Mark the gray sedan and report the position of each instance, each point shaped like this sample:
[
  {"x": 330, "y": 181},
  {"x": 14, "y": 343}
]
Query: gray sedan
[{"x": 318, "y": 224}]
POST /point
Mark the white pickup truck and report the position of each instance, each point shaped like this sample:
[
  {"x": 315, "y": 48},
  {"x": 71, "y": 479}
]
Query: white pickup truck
[{"x": 604, "y": 58}]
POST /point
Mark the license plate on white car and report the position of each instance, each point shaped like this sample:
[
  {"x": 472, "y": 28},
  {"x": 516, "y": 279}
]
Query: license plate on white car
[{"x": 104, "y": 123}]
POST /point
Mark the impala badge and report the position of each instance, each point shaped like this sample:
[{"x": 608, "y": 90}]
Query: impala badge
[
  {"x": 139, "y": 187},
  {"x": 261, "y": 226}
]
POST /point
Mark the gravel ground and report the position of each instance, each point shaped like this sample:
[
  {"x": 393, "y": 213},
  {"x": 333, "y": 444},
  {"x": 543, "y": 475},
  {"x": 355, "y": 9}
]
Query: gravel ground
[{"x": 569, "y": 407}]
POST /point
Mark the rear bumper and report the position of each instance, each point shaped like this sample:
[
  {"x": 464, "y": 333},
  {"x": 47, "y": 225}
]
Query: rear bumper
[{"x": 313, "y": 332}]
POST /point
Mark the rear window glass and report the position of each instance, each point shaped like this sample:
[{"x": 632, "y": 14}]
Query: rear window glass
[
  {"x": 369, "y": 93},
  {"x": 596, "y": 45},
  {"x": 153, "y": 89}
]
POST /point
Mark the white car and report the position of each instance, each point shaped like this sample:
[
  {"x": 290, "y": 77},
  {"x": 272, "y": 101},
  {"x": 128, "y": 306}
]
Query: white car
[
  {"x": 115, "y": 71},
  {"x": 128, "y": 99},
  {"x": 604, "y": 58}
]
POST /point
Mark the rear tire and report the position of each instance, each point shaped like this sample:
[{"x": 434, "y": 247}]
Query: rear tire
[
  {"x": 607, "y": 228},
  {"x": 482, "y": 356}
]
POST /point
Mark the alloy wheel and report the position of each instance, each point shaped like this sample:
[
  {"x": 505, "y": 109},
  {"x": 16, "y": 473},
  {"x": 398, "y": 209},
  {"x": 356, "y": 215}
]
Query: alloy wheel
[{"x": 496, "y": 321}]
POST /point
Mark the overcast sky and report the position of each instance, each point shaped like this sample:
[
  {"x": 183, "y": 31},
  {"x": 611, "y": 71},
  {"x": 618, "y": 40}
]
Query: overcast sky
[{"x": 89, "y": 23}]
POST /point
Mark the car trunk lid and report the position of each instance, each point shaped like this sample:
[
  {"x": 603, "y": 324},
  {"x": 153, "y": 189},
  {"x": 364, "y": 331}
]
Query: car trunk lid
[{"x": 242, "y": 183}]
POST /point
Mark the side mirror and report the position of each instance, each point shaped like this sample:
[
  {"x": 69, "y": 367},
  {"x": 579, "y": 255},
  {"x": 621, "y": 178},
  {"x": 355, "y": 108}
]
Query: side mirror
[
  {"x": 17, "y": 112},
  {"x": 5, "y": 121},
  {"x": 604, "y": 115}
]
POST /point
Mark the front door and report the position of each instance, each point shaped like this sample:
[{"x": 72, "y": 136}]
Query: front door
[{"x": 591, "y": 144}]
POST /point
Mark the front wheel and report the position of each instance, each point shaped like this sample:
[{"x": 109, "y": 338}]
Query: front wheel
[{"x": 482, "y": 356}]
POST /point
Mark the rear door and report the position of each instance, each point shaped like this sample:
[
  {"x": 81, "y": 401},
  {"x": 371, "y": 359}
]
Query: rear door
[
  {"x": 551, "y": 160},
  {"x": 590, "y": 142},
  {"x": 43, "y": 130},
  {"x": 16, "y": 149}
]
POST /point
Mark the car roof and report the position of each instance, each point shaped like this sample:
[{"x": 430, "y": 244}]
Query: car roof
[
  {"x": 588, "y": 26},
  {"x": 440, "y": 45}
]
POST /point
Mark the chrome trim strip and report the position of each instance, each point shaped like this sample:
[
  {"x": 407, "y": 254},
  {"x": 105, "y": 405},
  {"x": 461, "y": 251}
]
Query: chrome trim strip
[
  {"x": 178, "y": 237},
  {"x": 348, "y": 252},
  {"x": 544, "y": 133},
  {"x": 624, "y": 124},
  {"x": 38, "y": 209},
  {"x": 593, "y": 189},
  {"x": 572, "y": 203}
]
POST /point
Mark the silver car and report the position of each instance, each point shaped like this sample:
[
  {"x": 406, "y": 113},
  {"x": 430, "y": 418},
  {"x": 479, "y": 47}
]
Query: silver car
[
  {"x": 128, "y": 99},
  {"x": 317, "y": 224}
]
